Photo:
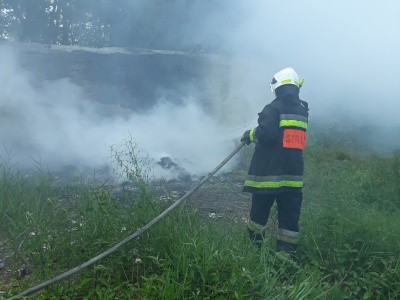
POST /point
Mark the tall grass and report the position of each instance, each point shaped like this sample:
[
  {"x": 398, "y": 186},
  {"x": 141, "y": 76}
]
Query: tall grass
[
  {"x": 349, "y": 246},
  {"x": 350, "y": 224}
]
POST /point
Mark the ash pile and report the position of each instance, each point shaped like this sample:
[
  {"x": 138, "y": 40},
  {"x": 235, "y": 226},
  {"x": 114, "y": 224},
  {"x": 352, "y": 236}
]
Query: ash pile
[
  {"x": 172, "y": 181},
  {"x": 176, "y": 182},
  {"x": 177, "y": 172}
]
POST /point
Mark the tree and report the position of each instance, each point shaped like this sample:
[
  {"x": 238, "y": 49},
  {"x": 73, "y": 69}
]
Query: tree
[{"x": 159, "y": 24}]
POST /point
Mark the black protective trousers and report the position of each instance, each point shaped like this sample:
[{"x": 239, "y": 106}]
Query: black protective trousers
[{"x": 289, "y": 205}]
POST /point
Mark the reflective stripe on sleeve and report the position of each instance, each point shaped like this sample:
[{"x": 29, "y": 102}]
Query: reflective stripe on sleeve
[{"x": 252, "y": 132}]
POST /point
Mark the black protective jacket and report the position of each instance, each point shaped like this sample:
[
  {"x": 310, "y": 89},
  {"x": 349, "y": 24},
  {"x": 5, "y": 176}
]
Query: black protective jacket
[{"x": 280, "y": 137}]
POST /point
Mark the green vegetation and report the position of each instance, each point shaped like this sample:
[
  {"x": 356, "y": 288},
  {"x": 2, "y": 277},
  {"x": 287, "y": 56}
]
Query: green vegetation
[
  {"x": 349, "y": 247},
  {"x": 109, "y": 23}
]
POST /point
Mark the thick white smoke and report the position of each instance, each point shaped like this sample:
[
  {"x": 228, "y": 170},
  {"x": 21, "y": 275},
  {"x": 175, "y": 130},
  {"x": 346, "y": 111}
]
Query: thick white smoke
[
  {"x": 347, "y": 51},
  {"x": 55, "y": 123}
]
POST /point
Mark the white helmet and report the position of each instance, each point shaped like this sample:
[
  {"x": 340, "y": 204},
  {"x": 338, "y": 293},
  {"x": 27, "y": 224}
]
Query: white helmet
[{"x": 285, "y": 76}]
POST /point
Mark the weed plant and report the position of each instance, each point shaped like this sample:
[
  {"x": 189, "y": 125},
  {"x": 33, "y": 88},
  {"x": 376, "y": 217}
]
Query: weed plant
[{"x": 349, "y": 246}]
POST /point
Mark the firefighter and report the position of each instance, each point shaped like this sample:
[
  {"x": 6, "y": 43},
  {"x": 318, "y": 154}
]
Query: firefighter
[{"x": 276, "y": 169}]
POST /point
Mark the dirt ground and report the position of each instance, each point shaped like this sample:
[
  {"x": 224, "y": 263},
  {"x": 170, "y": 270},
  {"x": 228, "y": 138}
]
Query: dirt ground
[{"x": 220, "y": 197}]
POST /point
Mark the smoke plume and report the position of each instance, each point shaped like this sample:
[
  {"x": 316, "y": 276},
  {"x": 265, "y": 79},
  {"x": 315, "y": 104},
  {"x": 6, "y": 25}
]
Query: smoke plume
[{"x": 56, "y": 124}]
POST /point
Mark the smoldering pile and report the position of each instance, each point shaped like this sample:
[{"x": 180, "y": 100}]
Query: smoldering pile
[{"x": 174, "y": 186}]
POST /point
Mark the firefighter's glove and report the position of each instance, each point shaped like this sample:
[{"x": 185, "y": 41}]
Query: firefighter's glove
[{"x": 246, "y": 137}]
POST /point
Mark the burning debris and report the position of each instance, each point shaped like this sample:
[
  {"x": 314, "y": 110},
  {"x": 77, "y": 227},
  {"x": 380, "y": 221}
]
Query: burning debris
[
  {"x": 167, "y": 163},
  {"x": 178, "y": 172}
]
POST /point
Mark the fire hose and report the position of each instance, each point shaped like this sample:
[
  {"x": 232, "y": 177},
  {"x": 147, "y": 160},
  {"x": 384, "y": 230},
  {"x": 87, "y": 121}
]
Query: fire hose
[{"x": 129, "y": 238}]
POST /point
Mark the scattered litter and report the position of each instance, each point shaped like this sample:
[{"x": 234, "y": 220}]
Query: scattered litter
[
  {"x": 214, "y": 215},
  {"x": 138, "y": 261}
]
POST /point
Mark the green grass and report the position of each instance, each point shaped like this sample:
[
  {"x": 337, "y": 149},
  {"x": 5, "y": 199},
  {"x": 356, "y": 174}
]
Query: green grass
[
  {"x": 350, "y": 220},
  {"x": 349, "y": 245}
]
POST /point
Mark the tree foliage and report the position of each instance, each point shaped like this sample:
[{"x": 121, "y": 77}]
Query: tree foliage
[
  {"x": 138, "y": 23},
  {"x": 65, "y": 22}
]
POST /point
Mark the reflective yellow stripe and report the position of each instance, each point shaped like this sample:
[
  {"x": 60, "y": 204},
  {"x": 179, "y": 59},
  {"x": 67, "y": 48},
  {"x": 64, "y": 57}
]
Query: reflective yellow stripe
[
  {"x": 299, "y": 83},
  {"x": 296, "y": 83},
  {"x": 273, "y": 184},
  {"x": 295, "y": 123},
  {"x": 252, "y": 134},
  {"x": 293, "y": 117},
  {"x": 286, "y": 81},
  {"x": 274, "y": 178}
]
